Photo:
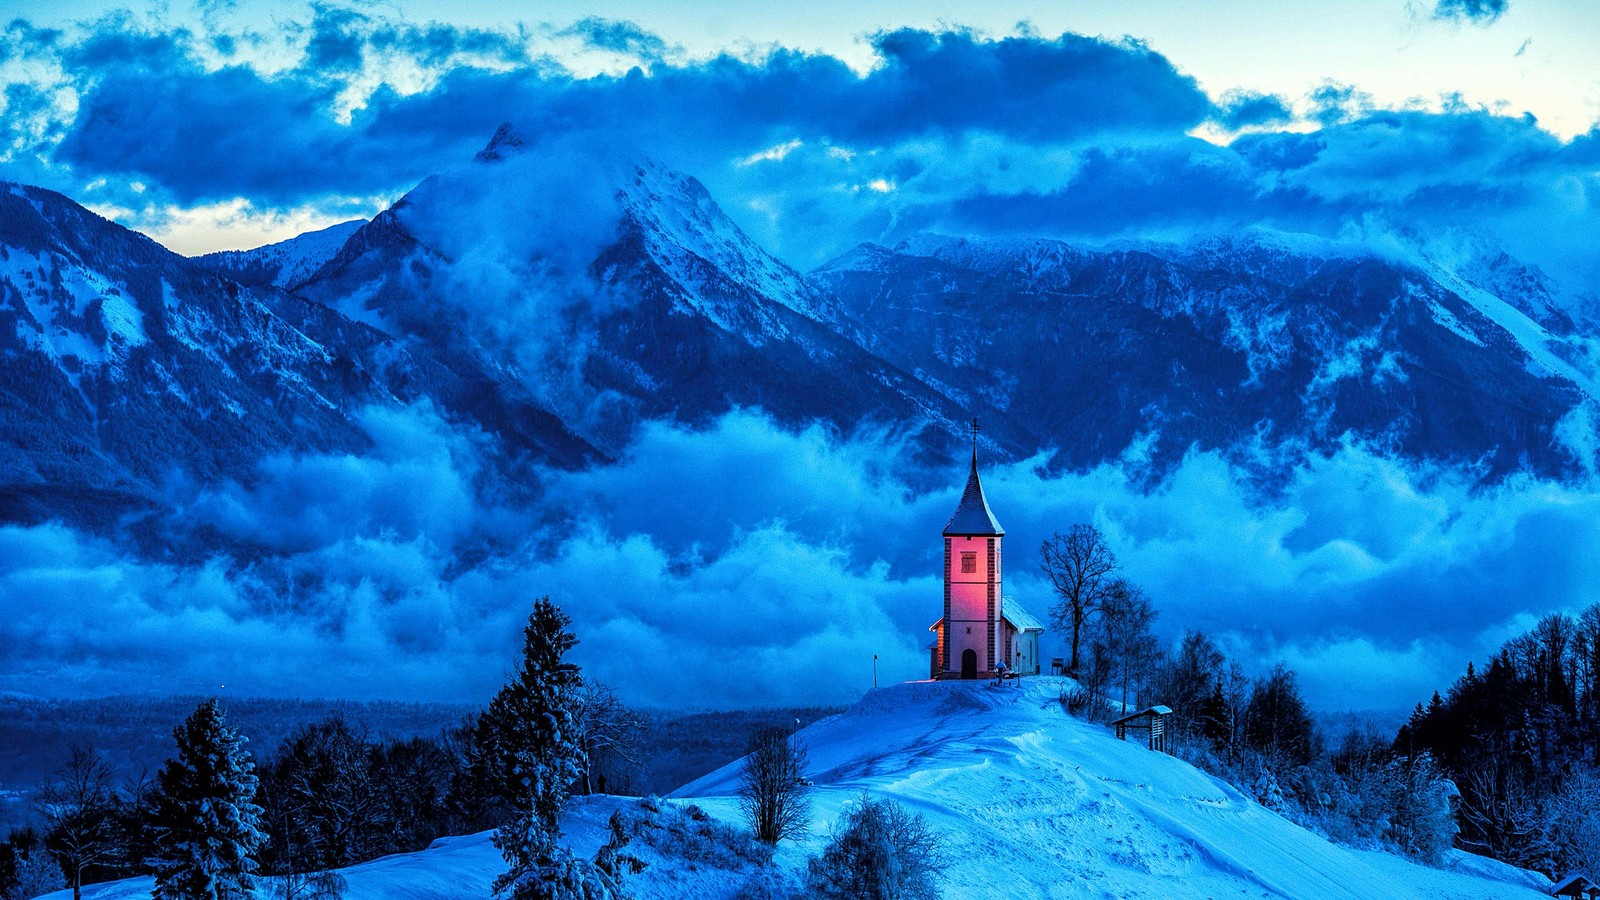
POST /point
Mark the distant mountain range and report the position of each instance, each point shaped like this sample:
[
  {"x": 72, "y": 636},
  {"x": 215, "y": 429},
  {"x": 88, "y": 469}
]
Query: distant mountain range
[{"x": 128, "y": 367}]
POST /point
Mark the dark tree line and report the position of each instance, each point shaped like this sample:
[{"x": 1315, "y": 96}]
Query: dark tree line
[
  {"x": 1258, "y": 733},
  {"x": 1521, "y": 738},
  {"x": 331, "y": 795},
  {"x": 1359, "y": 789}
]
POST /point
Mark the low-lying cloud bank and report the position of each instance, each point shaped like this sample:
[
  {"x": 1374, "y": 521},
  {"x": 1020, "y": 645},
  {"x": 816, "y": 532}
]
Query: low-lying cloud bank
[{"x": 748, "y": 565}]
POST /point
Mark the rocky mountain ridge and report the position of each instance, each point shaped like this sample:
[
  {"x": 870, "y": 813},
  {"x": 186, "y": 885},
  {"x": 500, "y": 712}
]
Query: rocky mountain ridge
[{"x": 555, "y": 312}]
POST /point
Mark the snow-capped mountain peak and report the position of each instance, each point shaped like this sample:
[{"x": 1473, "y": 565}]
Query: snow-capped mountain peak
[
  {"x": 695, "y": 242},
  {"x": 286, "y": 264}
]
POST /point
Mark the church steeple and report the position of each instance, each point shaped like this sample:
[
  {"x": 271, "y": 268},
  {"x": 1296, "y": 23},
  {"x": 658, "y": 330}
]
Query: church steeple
[
  {"x": 973, "y": 516},
  {"x": 971, "y": 638}
]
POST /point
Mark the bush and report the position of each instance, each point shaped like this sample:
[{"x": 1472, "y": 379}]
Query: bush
[
  {"x": 36, "y": 873},
  {"x": 1075, "y": 700},
  {"x": 558, "y": 875},
  {"x": 686, "y": 833},
  {"x": 1423, "y": 823},
  {"x": 879, "y": 850},
  {"x": 771, "y": 884}
]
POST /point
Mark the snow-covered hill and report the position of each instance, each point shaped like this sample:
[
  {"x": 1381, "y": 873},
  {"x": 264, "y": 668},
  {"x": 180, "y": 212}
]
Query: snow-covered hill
[{"x": 1032, "y": 802}]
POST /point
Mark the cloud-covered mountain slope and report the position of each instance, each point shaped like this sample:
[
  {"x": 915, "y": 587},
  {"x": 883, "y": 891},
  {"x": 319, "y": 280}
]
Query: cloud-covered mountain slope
[
  {"x": 125, "y": 365},
  {"x": 616, "y": 292},
  {"x": 131, "y": 372},
  {"x": 556, "y": 298}
]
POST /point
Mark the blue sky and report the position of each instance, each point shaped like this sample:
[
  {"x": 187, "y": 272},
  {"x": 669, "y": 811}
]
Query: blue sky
[{"x": 227, "y": 124}]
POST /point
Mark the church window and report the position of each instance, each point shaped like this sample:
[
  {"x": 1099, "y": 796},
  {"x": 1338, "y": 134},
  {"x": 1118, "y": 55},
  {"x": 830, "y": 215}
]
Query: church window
[{"x": 969, "y": 563}]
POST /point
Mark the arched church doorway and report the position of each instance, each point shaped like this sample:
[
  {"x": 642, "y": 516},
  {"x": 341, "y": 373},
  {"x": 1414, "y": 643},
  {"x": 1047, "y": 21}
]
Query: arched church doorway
[{"x": 969, "y": 663}]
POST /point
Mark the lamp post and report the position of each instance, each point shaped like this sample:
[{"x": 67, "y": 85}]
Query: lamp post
[{"x": 874, "y": 670}]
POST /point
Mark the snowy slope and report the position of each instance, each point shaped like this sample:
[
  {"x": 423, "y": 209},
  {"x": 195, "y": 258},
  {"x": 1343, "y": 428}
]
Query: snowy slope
[
  {"x": 1229, "y": 341},
  {"x": 689, "y": 236},
  {"x": 1532, "y": 337},
  {"x": 1033, "y": 803},
  {"x": 285, "y": 264},
  {"x": 1038, "y": 804}
]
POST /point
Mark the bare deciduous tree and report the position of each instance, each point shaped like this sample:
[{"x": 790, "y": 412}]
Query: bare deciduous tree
[
  {"x": 79, "y": 808},
  {"x": 1126, "y": 617},
  {"x": 1079, "y": 565},
  {"x": 772, "y": 787},
  {"x": 609, "y": 730}
]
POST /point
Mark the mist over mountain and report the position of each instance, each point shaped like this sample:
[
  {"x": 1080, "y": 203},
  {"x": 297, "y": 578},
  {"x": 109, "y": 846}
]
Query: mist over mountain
[{"x": 562, "y": 368}]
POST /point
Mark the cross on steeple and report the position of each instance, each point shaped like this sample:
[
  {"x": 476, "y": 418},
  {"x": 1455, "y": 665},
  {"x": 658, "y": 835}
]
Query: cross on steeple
[{"x": 974, "y": 428}]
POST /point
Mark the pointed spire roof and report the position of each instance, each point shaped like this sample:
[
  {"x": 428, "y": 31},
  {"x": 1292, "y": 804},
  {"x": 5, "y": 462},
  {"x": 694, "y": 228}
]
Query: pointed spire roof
[{"x": 972, "y": 515}]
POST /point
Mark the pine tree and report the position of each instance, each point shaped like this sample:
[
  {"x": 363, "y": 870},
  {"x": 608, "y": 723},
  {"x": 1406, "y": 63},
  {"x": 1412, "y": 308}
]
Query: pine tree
[
  {"x": 534, "y": 741},
  {"x": 207, "y": 823}
]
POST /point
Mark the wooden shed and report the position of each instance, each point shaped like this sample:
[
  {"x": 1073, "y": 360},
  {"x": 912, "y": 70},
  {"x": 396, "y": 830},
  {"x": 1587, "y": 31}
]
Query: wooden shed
[
  {"x": 1575, "y": 885},
  {"x": 1146, "y": 726}
]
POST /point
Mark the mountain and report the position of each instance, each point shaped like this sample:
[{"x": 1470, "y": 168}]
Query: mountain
[
  {"x": 1253, "y": 345},
  {"x": 132, "y": 372},
  {"x": 285, "y": 264},
  {"x": 126, "y": 364},
  {"x": 554, "y": 304},
  {"x": 1029, "y": 801},
  {"x": 626, "y": 297}
]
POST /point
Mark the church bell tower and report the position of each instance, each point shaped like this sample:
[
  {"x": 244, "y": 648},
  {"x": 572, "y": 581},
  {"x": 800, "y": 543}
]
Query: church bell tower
[{"x": 970, "y": 639}]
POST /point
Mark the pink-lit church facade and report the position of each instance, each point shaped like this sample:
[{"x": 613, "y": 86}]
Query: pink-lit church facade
[{"x": 981, "y": 626}]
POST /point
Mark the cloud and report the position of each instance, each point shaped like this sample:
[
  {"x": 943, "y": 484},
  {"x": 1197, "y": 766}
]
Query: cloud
[
  {"x": 415, "y": 482},
  {"x": 748, "y": 564},
  {"x": 1246, "y": 109},
  {"x": 371, "y": 106},
  {"x": 1477, "y": 12},
  {"x": 1068, "y": 136},
  {"x": 618, "y": 36}
]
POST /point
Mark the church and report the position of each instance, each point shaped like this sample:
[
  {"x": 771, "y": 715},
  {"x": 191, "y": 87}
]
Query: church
[{"x": 981, "y": 627}]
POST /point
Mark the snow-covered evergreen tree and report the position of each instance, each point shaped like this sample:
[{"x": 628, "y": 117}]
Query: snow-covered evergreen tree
[
  {"x": 1423, "y": 820},
  {"x": 534, "y": 736},
  {"x": 36, "y": 873},
  {"x": 1268, "y": 793},
  {"x": 207, "y": 823}
]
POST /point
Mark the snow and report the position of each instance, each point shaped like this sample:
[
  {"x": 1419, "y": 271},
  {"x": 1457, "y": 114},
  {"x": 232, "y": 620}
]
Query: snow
[
  {"x": 295, "y": 260},
  {"x": 1529, "y": 335},
  {"x": 1033, "y": 804},
  {"x": 694, "y": 242},
  {"x": 1038, "y": 804},
  {"x": 1448, "y": 319},
  {"x": 58, "y": 301}
]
